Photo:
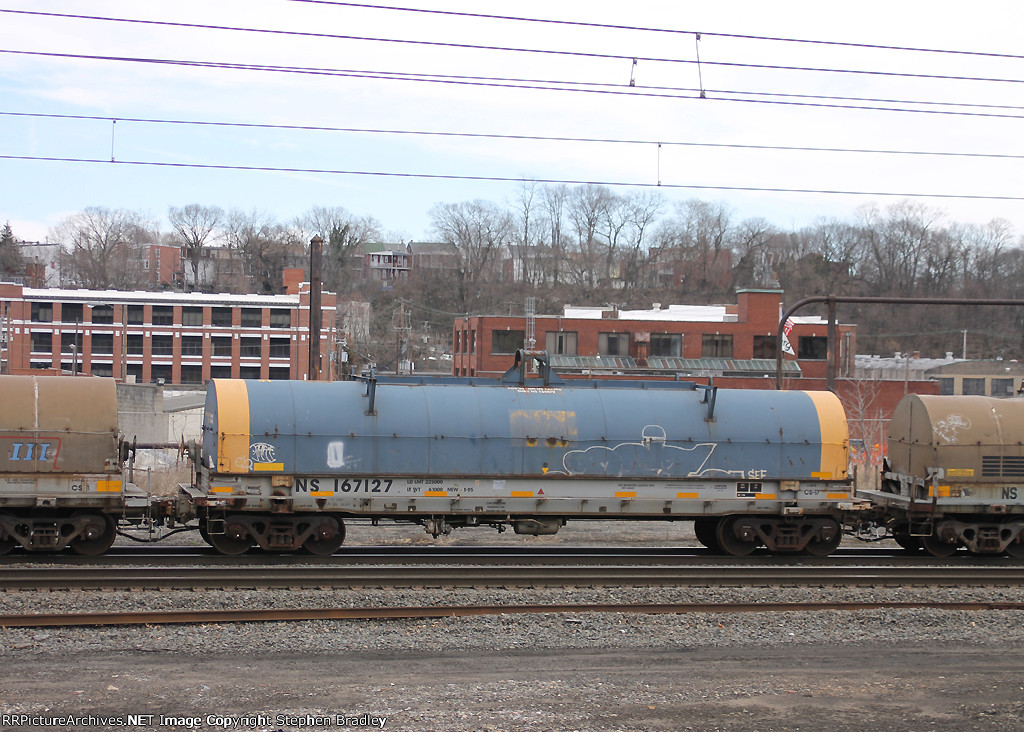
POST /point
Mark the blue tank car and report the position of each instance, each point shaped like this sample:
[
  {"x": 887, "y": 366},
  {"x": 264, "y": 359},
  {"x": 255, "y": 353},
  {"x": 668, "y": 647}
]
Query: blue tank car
[
  {"x": 637, "y": 430},
  {"x": 750, "y": 467}
]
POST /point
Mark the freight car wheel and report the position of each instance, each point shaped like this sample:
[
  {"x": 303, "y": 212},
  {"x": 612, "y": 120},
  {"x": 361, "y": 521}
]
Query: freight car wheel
[
  {"x": 1015, "y": 549},
  {"x": 234, "y": 541},
  {"x": 326, "y": 539},
  {"x": 901, "y": 535},
  {"x": 732, "y": 539},
  {"x": 937, "y": 547},
  {"x": 706, "y": 530},
  {"x": 7, "y": 543},
  {"x": 824, "y": 547},
  {"x": 97, "y": 535}
]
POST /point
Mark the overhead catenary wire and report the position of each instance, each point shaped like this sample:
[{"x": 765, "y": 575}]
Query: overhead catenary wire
[
  {"x": 514, "y": 49},
  {"x": 507, "y": 136},
  {"x": 651, "y": 29},
  {"x": 508, "y": 179},
  {"x": 598, "y": 88}
]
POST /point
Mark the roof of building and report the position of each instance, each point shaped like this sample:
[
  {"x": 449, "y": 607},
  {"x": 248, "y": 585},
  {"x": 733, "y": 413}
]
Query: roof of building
[
  {"x": 672, "y": 313},
  {"x": 103, "y": 297},
  {"x": 995, "y": 367}
]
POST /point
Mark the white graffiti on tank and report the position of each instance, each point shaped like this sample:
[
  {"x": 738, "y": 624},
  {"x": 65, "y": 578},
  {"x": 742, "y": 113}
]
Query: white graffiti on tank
[
  {"x": 261, "y": 452},
  {"x": 950, "y": 428}
]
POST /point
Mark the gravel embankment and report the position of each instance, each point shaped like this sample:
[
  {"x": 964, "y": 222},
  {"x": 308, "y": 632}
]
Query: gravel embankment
[{"x": 921, "y": 669}]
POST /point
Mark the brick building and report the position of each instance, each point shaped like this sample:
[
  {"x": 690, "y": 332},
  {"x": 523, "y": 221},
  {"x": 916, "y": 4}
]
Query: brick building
[
  {"x": 179, "y": 338},
  {"x": 692, "y": 340}
]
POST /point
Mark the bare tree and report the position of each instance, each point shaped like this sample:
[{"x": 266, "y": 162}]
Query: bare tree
[
  {"x": 526, "y": 245},
  {"x": 587, "y": 208},
  {"x": 343, "y": 233},
  {"x": 195, "y": 226},
  {"x": 553, "y": 199},
  {"x": 263, "y": 246},
  {"x": 639, "y": 211},
  {"x": 102, "y": 248},
  {"x": 477, "y": 231},
  {"x": 699, "y": 236}
]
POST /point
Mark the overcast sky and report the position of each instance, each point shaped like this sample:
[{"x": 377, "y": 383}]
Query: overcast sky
[{"x": 663, "y": 105}]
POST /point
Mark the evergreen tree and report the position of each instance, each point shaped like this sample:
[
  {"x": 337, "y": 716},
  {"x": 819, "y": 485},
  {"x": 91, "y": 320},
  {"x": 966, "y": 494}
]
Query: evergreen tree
[{"x": 10, "y": 255}]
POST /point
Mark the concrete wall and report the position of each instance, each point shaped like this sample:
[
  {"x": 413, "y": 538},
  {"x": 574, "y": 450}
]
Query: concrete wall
[{"x": 140, "y": 411}]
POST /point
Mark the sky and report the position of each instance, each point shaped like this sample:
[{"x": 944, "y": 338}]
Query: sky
[{"x": 59, "y": 101}]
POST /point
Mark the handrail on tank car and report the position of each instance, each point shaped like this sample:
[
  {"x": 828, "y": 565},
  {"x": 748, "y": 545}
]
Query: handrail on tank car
[
  {"x": 830, "y": 355},
  {"x": 517, "y": 373},
  {"x": 371, "y": 390}
]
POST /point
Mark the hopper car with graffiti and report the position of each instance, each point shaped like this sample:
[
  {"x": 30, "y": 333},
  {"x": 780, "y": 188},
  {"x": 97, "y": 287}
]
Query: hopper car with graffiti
[{"x": 284, "y": 465}]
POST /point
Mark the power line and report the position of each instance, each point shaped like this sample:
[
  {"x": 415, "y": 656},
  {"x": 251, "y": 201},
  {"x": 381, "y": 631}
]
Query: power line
[
  {"x": 509, "y": 179},
  {"x": 513, "y": 49},
  {"x": 648, "y": 29},
  {"x": 597, "y": 88},
  {"x": 499, "y": 136}
]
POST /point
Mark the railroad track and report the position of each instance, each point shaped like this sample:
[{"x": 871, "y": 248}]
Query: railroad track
[
  {"x": 487, "y": 555},
  {"x": 581, "y": 575},
  {"x": 193, "y": 617}
]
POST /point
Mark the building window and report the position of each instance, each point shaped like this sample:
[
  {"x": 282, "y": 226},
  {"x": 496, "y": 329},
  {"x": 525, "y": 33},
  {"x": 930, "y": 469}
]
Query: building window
[
  {"x": 613, "y": 344},
  {"x": 192, "y": 316},
  {"x": 249, "y": 372},
  {"x": 134, "y": 345},
  {"x": 163, "y": 315},
  {"x": 562, "y": 342},
  {"x": 191, "y": 374},
  {"x": 162, "y": 345},
  {"x": 68, "y": 340},
  {"x": 280, "y": 348},
  {"x": 103, "y": 314},
  {"x": 220, "y": 346},
  {"x": 252, "y": 318},
  {"x": 136, "y": 314},
  {"x": 42, "y": 312},
  {"x": 974, "y": 386},
  {"x": 766, "y": 346},
  {"x": 667, "y": 344},
  {"x": 42, "y": 342},
  {"x": 812, "y": 348},
  {"x": 103, "y": 343},
  {"x": 102, "y": 369},
  {"x": 220, "y": 372},
  {"x": 249, "y": 347},
  {"x": 280, "y": 373},
  {"x": 947, "y": 387},
  {"x": 716, "y": 345},
  {"x": 506, "y": 341},
  {"x": 191, "y": 346},
  {"x": 221, "y": 317},
  {"x": 160, "y": 373},
  {"x": 71, "y": 312},
  {"x": 280, "y": 318},
  {"x": 1002, "y": 387}
]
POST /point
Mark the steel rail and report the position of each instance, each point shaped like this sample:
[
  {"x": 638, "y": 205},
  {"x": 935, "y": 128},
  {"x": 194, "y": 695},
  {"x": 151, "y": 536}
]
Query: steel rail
[
  {"x": 163, "y": 617},
  {"x": 498, "y": 555},
  {"x": 262, "y": 577}
]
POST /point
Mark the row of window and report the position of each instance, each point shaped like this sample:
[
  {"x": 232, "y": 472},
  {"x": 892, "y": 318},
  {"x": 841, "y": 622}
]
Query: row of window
[
  {"x": 713, "y": 345},
  {"x": 976, "y": 386},
  {"x": 162, "y": 345},
  {"x": 221, "y": 317},
  {"x": 190, "y": 373}
]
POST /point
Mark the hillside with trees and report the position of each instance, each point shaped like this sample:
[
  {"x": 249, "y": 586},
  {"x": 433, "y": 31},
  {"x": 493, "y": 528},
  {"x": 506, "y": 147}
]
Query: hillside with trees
[{"x": 584, "y": 245}]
